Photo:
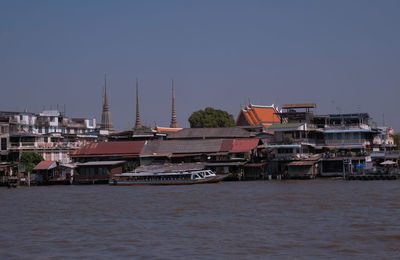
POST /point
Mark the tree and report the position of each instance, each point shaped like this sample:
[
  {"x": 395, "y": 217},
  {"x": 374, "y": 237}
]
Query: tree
[
  {"x": 30, "y": 160},
  {"x": 397, "y": 141},
  {"x": 211, "y": 117}
]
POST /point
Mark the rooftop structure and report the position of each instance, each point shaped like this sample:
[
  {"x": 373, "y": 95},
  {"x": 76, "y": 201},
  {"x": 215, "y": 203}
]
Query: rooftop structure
[
  {"x": 106, "y": 123},
  {"x": 138, "y": 123},
  {"x": 256, "y": 115},
  {"x": 297, "y": 113},
  {"x": 174, "y": 123}
]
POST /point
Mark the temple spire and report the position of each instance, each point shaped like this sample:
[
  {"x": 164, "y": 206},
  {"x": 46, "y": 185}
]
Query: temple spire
[
  {"x": 138, "y": 124},
  {"x": 173, "y": 124},
  {"x": 106, "y": 123}
]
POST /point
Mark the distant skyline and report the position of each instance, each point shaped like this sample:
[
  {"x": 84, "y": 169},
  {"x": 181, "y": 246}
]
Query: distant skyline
[{"x": 342, "y": 55}]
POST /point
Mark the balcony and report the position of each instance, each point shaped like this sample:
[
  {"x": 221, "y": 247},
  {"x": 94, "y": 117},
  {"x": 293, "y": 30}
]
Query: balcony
[{"x": 348, "y": 142}]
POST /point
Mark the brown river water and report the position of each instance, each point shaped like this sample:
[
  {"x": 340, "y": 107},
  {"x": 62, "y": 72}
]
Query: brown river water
[{"x": 229, "y": 220}]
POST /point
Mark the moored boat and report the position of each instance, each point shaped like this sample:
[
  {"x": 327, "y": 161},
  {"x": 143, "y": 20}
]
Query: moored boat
[{"x": 166, "y": 178}]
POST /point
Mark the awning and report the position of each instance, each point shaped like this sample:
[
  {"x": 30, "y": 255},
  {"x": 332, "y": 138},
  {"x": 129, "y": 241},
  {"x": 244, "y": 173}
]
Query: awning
[
  {"x": 277, "y": 146},
  {"x": 302, "y": 163},
  {"x": 387, "y": 162},
  {"x": 101, "y": 163},
  {"x": 333, "y": 131}
]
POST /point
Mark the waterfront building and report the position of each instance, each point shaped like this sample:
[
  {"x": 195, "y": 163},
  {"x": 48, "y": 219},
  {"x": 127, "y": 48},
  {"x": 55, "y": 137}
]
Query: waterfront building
[
  {"x": 341, "y": 140},
  {"x": 349, "y": 133},
  {"x": 97, "y": 172},
  {"x": 49, "y": 133},
  {"x": 383, "y": 139},
  {"x": 4, "y": 139},
  {"x": 53, "y": 172}
]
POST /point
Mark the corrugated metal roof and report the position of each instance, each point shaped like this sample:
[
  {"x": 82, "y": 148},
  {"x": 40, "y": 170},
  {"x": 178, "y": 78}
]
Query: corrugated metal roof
[
  {"x": 171, "y": 167},
  {"x": 205, "y": 133},
  {"x": 244, "y": 145},
  {"x": 45, "y": 165},
  {"x": 110, "y": 148},
  {"x": 101, "y": 163},
  {"x": 227, "y": 145},
  {"x": 278, "y": 127}
]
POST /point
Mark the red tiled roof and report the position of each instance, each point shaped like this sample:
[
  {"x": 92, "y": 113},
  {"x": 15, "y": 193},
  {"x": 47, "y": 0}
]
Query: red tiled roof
[
  {"x": 110, "y": 148},
  {"x": 260, "y": 115},
  {"x": 45, "y": 165},
  {"x": 244, "y": 145}
]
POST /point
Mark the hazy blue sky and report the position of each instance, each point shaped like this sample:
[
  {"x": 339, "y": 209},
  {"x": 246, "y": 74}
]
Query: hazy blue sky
[{"x": 342, "y": 55}]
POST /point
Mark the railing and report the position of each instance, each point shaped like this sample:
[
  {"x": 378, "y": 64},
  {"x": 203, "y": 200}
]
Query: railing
[
  {"x": 347, "y": 142},
  {"x": 347, "y": 127}
]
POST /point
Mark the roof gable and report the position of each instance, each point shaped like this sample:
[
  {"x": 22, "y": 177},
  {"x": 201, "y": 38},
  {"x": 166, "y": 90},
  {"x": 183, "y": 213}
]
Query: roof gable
[{"x": 256, "y": 115}]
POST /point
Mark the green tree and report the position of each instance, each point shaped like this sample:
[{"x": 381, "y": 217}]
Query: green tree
[
  {"x": 30, "y": 160},
  {"x": 397, "y": 141},
  {"x": 211, "y": 117}
]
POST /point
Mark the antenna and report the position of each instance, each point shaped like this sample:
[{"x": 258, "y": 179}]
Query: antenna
[{"x": 383, "y": 119}]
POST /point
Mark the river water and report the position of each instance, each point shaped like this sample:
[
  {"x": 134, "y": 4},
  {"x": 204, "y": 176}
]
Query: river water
[{"x": 228, "y": 220}]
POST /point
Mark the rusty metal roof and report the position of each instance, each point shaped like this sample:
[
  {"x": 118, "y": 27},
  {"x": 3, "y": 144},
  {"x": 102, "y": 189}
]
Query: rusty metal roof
[
  {"x": 110, "y": 148},
  {"x": 244, "y": 145},
  {"x": 45, "y": 165}
]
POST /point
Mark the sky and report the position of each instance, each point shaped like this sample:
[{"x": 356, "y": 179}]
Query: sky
[{"x": 342, "y": 55}]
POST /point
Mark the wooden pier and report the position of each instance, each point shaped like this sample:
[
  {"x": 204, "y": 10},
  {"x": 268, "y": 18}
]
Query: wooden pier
[{"x": 371, "y": 177}]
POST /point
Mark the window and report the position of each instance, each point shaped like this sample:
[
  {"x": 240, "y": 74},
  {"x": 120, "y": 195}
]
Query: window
[
  {"x": 355, "y": 135},
  {"x": 347, "y": 136},
  {"x": 3, "y": 144},
  {"x": 339, "y": 136}
]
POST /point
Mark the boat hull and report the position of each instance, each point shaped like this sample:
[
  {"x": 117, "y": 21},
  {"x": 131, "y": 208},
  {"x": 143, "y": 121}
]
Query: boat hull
[{"x": 213, "y": 179}]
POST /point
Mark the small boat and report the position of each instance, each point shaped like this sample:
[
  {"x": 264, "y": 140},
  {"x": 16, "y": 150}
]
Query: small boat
[{"x": 166, "y": 178}]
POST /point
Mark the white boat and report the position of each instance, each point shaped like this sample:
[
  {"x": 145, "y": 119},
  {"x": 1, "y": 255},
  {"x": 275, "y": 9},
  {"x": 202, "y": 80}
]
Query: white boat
[{"x": 166, "y": 178}]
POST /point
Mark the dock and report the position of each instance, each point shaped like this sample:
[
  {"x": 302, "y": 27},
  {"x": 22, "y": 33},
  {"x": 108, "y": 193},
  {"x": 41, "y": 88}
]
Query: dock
[{"x": 371, "y": 177}]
